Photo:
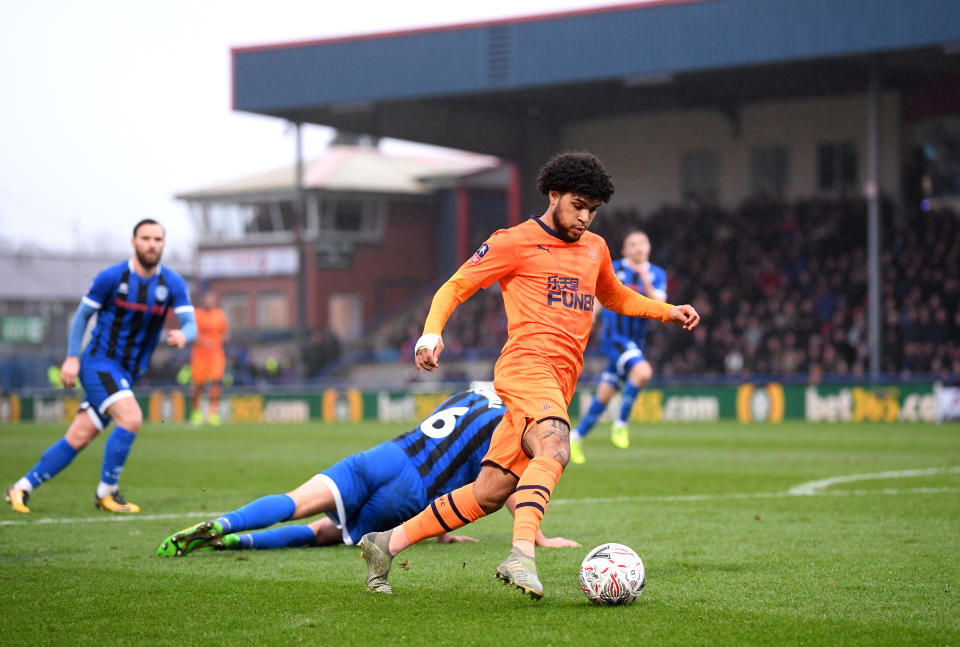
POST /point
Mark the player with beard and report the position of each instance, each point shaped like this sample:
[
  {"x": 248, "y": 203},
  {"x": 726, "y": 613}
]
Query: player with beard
[
  {"x": 551, "y": 270},
  {"x": 131, "y": 300}
]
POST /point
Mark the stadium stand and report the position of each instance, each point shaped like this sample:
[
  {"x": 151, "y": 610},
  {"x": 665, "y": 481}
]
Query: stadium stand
[{"x": 782, "y": 289}]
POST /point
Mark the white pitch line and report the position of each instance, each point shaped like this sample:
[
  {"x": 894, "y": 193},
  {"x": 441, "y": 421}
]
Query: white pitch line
[
  {"x": 112, "y": 518},
  {"x": 811, "y": 488},
  {"x": 747, "y": 495},
  {"x": 815, "y": 487}
]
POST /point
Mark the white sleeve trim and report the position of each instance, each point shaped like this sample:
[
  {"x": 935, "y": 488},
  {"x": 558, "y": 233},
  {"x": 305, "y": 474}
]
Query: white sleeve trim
[
  {"x": 626, "y": 357},
  {"x": 182, "y": 309},
  {"x": 341, "y": 511},
  {"x": 85, "y": 406},
  {"x": 90, "y": 302},
  {"x": 119, "y": 395}
]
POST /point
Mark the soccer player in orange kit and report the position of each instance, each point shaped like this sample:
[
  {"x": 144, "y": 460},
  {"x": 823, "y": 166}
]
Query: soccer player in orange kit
[
  {"x": 551, "y": 270},
  {"x": 208, "y": 360}
]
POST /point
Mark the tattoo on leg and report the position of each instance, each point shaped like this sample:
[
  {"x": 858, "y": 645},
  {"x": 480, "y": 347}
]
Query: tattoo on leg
[
  {"x": 561, "y": 431},
  {"x": 549, "y": 434},
  {"x": 557, "y": 428}
]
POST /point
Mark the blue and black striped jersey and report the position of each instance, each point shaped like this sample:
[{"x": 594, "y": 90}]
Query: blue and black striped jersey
[
  {"x": 131, "y": 311},
  {"x": 621, "y": 327},
  {"x": 448, "y": 446}
]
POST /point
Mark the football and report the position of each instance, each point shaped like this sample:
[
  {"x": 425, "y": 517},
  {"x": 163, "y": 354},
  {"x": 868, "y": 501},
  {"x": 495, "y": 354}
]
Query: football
[{"x": 612, "y": 574}]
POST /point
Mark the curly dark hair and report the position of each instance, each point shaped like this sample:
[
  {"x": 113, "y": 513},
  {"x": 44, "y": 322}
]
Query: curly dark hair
[{"x": 577, "y": 172}]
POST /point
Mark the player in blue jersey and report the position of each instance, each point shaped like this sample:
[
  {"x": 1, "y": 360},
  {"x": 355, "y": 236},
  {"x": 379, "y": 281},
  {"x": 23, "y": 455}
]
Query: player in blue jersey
[
  {"x": 131, "y": 301},
  {"x": 369, "y": 491},
  {"x": 623, "y": 341}
]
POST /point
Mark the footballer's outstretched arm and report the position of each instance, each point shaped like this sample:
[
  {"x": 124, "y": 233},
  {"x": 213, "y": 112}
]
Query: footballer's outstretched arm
[
  {"x": 615, "y": 296},
  {"x": 451, "y": 294}
]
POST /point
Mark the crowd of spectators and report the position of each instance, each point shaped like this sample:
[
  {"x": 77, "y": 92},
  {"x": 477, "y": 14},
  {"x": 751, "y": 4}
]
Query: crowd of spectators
[
  {"x": 249, "y": 363},
  {"x": 782, "y": 289}
]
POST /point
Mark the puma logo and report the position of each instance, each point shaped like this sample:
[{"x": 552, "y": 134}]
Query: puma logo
[{"x": 546, "y": 249}]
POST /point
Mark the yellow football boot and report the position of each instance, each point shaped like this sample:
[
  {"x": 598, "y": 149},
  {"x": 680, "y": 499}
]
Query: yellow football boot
[
  {"x": 116, "y": 503},
  {"x": 17, "y": 499},
  {"x": 576, "y": 451},
  {"x": 620, "y": 434}
]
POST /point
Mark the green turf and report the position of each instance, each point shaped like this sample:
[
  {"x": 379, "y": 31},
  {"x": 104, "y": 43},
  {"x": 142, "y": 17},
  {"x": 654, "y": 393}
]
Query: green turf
[{"x": 870, "y": 562}]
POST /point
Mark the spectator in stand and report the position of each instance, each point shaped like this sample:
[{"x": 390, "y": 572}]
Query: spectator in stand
[{"x": 786, "y": 289}]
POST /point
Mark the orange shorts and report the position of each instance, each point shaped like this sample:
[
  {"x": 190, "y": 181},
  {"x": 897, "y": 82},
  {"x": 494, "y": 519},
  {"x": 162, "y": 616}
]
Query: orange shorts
[
  {"x": 207, "y": 368},
  {"x": 531, "y": 392}
]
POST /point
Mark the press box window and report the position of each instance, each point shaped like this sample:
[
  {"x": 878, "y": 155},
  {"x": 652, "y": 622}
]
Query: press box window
[
  {"x": 769, "y": 171},
  {"x": 272, "y": 310},
  {"x": 837, "y": 166},
  {"x": 700, "y": 175},
  {"x": 237, "y": 309}
]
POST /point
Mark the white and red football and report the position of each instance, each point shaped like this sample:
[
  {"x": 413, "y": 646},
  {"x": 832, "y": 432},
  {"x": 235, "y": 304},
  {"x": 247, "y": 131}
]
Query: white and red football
[{"x": 612, "y": 574}]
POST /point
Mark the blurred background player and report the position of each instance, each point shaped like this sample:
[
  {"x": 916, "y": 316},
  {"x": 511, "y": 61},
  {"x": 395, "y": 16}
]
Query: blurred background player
[
  {"x": 372, "y": 490},
  {"x": 551, "y": 270},
  {"x": 623, "y": 340},
  {"x": 207, "y": 359},
  {"x": 131, "y": 300}
]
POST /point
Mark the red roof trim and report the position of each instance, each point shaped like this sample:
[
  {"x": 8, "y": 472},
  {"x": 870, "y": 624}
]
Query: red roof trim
[{"x": 416, "y": 31}]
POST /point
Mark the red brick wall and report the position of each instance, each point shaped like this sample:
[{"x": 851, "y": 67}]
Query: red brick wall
[
  {"x": 386, "y": 273},
  {"x": 254, "y": 287}
]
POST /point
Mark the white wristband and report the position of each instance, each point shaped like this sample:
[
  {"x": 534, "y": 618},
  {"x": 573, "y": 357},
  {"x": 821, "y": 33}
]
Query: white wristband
[{"x": 428, "y": 341}]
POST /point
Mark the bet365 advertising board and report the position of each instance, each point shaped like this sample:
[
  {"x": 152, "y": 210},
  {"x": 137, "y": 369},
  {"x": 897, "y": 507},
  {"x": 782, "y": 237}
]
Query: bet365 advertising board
[{"x": 748, "y": 403}]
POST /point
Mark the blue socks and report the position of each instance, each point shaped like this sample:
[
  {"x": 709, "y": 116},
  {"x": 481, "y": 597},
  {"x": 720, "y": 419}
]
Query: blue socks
[
  {"x": 261, "y": 513},
  {"x": 284, "y": 537},
  {"x": 53, "y": 460},
  {"x": 264, "y": 512},
  {"x": 115, "y": 455},
  {"x": 629, "y": 397},
  {"x": 61, "y": 454},
  {"x": 593, "y": 414}
]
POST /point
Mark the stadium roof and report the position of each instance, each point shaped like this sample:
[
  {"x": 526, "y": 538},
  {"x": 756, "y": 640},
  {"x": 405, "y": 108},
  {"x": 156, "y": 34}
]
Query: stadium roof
[
  {"x": 491, "y": 86},
  {"x": 356, "y": 169},
  {"x": 47, "y": 276}
]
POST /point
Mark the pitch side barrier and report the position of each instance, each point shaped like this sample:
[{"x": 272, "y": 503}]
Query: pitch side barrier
[{"x": 749, "y": 403}]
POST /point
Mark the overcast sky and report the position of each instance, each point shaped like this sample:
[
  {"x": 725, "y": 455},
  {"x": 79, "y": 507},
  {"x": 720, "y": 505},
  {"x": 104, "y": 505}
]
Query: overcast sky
[{"x": 110, "y": 107}]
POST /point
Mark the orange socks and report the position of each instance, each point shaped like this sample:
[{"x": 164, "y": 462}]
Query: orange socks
[
  {"x": 533, "y": 495},
  {"x": 447, "y": 513},
  {"x": 460, "y": 507}
]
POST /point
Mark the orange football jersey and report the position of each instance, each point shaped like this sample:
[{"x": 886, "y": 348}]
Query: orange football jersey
[
  {"x": 211, "y": 328},
  {"x": 549, "y": 289}
]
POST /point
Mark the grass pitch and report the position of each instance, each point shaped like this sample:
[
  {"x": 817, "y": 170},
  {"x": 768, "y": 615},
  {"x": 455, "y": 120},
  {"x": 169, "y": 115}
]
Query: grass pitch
[{"x": 732, "y": 556}]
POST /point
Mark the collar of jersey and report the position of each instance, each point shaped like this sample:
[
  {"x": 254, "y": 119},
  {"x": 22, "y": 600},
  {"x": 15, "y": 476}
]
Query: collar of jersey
[
  {"x": 547, "y": 229},
  {"x": 133, "y": 271}
]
